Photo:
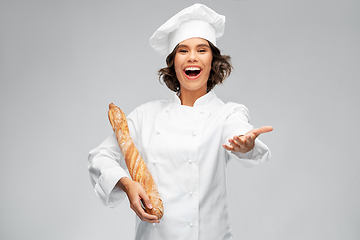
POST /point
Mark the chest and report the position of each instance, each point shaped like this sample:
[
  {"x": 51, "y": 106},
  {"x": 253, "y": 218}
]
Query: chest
[{"x": 179, "y": 130}]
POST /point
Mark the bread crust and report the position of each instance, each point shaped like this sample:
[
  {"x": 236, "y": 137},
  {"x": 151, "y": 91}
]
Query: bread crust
[{"x": 134, "y": 162}]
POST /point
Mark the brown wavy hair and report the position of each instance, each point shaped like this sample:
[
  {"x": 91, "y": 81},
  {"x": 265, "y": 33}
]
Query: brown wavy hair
[{"x": 220, "y": 69}]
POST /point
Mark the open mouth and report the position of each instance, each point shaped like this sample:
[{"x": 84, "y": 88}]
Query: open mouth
[{"x": 192, "y": 72}]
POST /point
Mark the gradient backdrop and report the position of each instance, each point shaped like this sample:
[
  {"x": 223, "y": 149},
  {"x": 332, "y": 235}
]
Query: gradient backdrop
[{"x": 296, "y": 68}]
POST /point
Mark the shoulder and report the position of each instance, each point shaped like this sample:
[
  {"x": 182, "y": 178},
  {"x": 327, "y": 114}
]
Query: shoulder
[
  {"x": 153, "y": 105},
  {"x": 230, "y": 110},
  {"x": 149, "y": 108},
  {"x": 238, "y": 111}
]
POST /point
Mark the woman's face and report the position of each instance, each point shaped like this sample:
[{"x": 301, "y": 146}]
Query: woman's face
[{"x": 192, "y": 65}]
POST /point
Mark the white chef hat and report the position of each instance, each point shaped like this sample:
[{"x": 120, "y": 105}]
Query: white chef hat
[{"x": 195, "y": 21}]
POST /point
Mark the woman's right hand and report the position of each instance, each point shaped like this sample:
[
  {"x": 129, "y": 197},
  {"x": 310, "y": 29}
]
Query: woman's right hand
[{"x": 136, "y": 194}]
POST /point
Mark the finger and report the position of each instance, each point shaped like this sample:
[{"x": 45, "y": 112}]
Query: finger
[
  {"x": 239, "y": 140},
  {"x": 138, "y": 210},
  {"x": 234, "y": 145},
  {"x": 230, "y": 148},
  {"x": 266, "y": 129},
  {"x": 135, "y": 196},
  {"x": 258, "y": 131},
  {"x": 249, "y": 138},
  {"x": 146, "y": 200},
  {"x": 245, "y": 142},
  {"x": 144, "y": 216},
  {"x": 250, "y": 141}
]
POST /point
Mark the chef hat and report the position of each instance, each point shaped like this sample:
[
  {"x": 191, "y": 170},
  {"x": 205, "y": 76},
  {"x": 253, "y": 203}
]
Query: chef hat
[{"x": 195, "y": 21}]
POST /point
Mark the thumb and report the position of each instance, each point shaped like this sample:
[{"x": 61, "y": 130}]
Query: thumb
[
  {"x": 146, "y": 200},
  {"x": 261, "y": 130}
]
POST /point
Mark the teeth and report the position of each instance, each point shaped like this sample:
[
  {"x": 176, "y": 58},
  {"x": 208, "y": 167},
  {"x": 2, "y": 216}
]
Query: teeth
[{"x": 192, "y": 68}]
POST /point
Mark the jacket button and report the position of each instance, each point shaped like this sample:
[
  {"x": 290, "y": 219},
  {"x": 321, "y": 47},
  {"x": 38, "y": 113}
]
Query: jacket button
[
  {"x": 191, "y": 224},
  {"x": 190, "y": 193},
  {"x": 190, "y": 161}
]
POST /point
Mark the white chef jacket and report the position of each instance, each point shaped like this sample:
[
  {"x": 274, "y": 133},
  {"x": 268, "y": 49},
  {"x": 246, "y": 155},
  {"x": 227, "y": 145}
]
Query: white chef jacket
[{"x": 181, "y": 146}]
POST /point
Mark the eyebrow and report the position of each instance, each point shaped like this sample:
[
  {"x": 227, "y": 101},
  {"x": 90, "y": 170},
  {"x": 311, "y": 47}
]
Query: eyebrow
[{"x": 200, "y": 45}]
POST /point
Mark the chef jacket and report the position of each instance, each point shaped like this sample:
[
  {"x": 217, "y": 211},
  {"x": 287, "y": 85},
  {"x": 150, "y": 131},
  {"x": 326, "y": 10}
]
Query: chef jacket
[{"x": 181, "y": 147}]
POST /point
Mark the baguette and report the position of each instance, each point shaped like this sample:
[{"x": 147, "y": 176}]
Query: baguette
[{"x": 134, "y": 162}]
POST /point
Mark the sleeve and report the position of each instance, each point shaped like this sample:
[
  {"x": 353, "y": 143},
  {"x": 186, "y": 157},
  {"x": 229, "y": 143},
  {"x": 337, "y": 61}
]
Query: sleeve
[
  {"x": 238, "y": 123},
  {"x": 107, "y": 166}
]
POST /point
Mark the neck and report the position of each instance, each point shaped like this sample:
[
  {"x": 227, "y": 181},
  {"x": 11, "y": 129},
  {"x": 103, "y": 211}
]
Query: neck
[{"x": 188, "y": 98}]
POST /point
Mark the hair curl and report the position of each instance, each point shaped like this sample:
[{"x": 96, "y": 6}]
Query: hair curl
[{"x": 220, "y": 69}]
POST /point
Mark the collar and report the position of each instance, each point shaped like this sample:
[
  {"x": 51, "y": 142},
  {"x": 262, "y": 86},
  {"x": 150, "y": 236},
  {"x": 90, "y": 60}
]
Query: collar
[{"x": 201, "y": 101}]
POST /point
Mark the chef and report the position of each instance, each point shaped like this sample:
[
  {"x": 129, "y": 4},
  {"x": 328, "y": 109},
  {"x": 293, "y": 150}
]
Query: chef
[{"x": 186, "y": 141}]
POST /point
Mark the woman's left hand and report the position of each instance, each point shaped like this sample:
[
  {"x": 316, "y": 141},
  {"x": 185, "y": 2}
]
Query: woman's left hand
[{"x": 245, "y": 143}]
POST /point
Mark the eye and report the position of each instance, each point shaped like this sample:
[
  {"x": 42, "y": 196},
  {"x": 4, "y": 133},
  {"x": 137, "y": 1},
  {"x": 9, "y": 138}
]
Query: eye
[
  {"x": 182, "y": 51},
  {"x": 202, "y": 50}
]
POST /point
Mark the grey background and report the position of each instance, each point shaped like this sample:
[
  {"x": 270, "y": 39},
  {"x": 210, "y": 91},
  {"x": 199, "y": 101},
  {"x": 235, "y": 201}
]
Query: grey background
[{"x": 63, "y": 62}]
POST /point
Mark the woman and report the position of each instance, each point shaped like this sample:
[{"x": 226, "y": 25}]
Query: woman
[{"x": 187, "y": 141}]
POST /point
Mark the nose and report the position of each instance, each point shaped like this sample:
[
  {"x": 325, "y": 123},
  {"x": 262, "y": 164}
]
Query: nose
[{"x": 192, "y": 56}]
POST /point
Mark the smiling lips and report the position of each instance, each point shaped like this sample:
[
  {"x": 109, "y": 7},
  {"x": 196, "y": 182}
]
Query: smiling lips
[{"x": 192, "y": 72}]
